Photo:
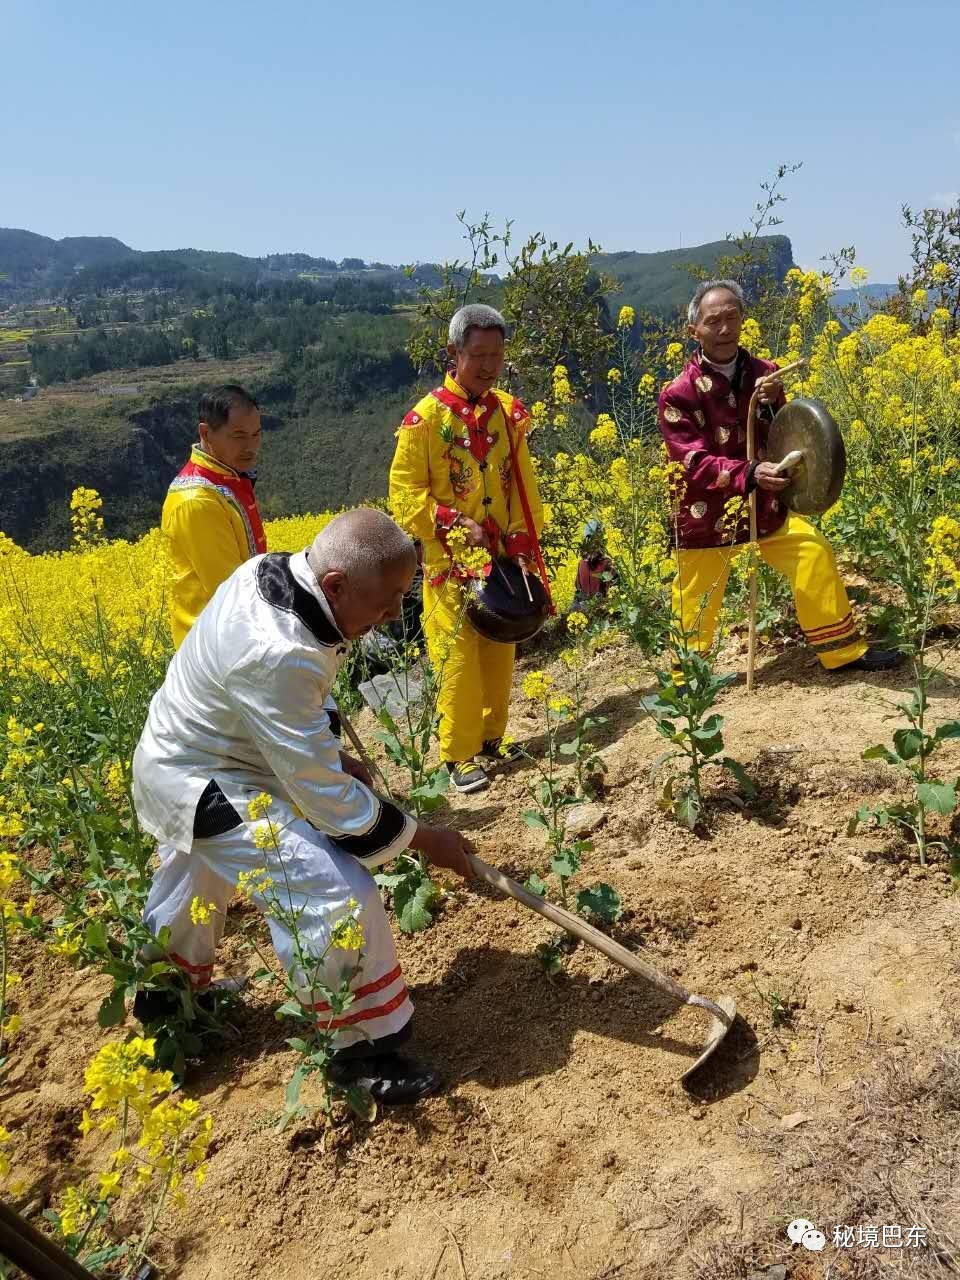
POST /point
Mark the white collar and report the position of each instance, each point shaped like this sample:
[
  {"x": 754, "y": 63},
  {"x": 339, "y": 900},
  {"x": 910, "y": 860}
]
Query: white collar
[
  {"x": 727, "y": 370},
  {"x": 307, "y": 579}
]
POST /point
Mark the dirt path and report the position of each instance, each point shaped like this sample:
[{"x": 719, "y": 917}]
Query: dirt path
[{"x": 564, "y": 1146}]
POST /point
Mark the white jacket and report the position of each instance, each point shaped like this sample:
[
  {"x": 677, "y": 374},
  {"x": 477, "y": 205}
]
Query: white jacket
[{"x": 246, "y": 702}]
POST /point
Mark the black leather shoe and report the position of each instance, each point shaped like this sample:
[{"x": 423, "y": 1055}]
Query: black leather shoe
[
  {"x": 875, "y": 660},
  {"x": 391, "y": 1078}
]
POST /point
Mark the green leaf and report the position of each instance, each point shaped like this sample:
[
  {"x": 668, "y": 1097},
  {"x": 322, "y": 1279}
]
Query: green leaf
[
  {"x": 863, "y": 814},
  {"x": 710, "y": 746},
  {"x": 710, "y": 727},
  {"x": 292, "y": 1098},
  {"x": 565, "y": 863},
  {"x": 688, "y": 808},
  {"x": 533, "y": 818},
  {"x": 550, "y": 957},
  {"x": 909, "y": 743},
  {"x": 949, "y": 730},
  {"x": 361, "y": 1102},
  {"x": 602, "y": 901},
  {"x": 744, "y": 780},
  {"x": 289, "y": 1009},
  {"x": 95, "y": 935},
  {"x": 113, "y": 1010},
  {"x": 880, "y": 752},
  {"x": 301, "y": 1046},
  {"x": 413, "y": 903},
  {"x": 536, "y": 885},
  {"x": 939, "y": 797}
]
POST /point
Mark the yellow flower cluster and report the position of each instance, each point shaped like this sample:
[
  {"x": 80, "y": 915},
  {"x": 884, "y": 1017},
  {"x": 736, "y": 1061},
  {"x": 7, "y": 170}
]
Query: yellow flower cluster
[
  {"x": 119, "y": 1073},
  {"x": 347, "y": 933},
  {"x": 173, "y": 1137},
  {"x": 625, "y": 318},
  {"x": 605, "y": 435},
  {"x": 202, "y": 912},
  {"x": 473, "y": 560},
  {"x": 562, "y": 391},
  {"x": 85, "y": 518},
  {"x": 254, "y": 882},
  {"x": 537, "y": 685},
  {"x": 259, "y": 806}
]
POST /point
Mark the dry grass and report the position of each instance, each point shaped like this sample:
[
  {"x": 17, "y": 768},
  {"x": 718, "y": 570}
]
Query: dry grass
[{"x": 890, "y": 1158}]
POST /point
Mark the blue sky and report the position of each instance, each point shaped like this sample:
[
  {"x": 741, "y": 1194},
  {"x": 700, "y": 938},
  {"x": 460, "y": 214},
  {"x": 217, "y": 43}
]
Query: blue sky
[{"x": 361, "y": 128}]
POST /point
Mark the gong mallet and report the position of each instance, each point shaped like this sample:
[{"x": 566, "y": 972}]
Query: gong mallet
[{"x": 763, "y": 382}]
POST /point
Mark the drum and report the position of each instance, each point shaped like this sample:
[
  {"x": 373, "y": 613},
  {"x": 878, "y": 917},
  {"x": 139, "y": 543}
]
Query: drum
[
  {"x": 806, "y": 427},
  {"x": 499, "y": 607}
]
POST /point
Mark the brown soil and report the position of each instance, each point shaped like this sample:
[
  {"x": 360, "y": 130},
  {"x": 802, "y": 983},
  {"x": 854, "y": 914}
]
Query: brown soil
[{"x": 564, "y": 1145}]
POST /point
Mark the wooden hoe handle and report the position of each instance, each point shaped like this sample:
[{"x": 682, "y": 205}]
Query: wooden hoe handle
[{"x": 585, "y": 932}]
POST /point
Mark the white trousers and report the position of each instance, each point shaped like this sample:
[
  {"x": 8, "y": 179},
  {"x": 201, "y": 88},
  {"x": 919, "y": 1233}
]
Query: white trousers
[{"x": 313, "y": 879}]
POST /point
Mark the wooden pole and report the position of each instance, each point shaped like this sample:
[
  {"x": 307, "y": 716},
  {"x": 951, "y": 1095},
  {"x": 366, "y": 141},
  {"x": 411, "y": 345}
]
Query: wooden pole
[
  {"x": 36, "y": 1254},
  {"x": 773, "y": 376},
  {"x": 754, "y": 551}
]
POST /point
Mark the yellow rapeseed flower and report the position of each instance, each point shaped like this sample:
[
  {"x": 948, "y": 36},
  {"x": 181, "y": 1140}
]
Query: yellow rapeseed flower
[
  {"x": 536, "y": 685},
  {"x": 201, "y": 912}
]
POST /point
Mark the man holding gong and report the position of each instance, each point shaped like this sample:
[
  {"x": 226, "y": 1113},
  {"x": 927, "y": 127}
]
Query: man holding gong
[
  {"x": 703, "y": 419},
  {"x": 462, "y": 463}
]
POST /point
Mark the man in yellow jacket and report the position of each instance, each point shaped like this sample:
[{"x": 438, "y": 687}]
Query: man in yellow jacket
[
  {"x": 453, "y": 469},
  {"x": 210, "y": 513}
]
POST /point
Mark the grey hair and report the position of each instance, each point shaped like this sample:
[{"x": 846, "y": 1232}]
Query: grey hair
[
  {"x": 475, "y": 315},
  {"x": 731, "y": 286},
  {"x": 359, "y": 544}
]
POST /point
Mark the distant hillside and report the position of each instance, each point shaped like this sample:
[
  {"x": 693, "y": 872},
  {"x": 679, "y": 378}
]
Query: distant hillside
[
  {"x": 79, "y": 265},
  {"x": 660, "y": 282},
  {"x": 868, "y": 293}
]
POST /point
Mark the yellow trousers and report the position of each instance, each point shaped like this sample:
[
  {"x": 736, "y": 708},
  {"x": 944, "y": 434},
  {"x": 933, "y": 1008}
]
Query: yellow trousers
[
  {"x": 475, "y": 674},
  {"x": 804, "y": 557}
]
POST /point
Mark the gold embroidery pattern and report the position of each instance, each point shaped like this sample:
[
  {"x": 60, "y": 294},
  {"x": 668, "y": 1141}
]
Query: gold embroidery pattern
[
  {"x": 723, "y": 480},
  {"x": 698, "y": 414},
  {"x": 698, "y": 510},
  {"x": 703, "y": 383},
  {"x": 723, "y": 435},
  {"x": 671, "y": 414}
]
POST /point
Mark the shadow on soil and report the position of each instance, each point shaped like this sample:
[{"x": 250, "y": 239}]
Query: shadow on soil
[{"x": 497, "y": 1019}]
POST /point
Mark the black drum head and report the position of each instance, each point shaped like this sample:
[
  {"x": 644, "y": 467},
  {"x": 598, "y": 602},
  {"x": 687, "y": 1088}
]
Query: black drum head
[{"x": 500, "y": 609}]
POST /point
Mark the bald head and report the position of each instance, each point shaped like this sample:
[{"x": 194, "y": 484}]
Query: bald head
[
  {"x": 360, "y": 543},
  {"x": 363, "y": 562}
]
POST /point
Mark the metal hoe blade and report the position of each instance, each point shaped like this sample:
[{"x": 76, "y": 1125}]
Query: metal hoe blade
[{"x": 718, "y": 1029}]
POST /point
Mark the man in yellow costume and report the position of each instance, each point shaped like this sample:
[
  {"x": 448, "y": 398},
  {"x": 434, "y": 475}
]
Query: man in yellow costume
[
  {"x": 210, "y": 513},
  {"x": 703, "y": 420},
  {"x": 462, "y": 463}
]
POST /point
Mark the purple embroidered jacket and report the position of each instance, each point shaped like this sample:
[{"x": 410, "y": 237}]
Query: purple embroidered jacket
[{"x": 703, "y": 419}]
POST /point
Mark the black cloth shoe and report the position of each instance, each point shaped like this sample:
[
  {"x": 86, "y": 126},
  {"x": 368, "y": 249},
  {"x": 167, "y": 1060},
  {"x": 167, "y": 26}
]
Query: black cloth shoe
[
  {"x": 495, "y": 750},
  {"x": 467, "y": 776},
  {"x": 391, "y": 1078},
  {"x": 875, "y": 660}
]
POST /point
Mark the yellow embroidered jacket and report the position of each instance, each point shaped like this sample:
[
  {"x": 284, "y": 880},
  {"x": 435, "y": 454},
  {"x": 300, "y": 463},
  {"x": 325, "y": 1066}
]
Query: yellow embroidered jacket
[
  {"x": 211, "y": 519},
  {"x": 454, "y": 456}
]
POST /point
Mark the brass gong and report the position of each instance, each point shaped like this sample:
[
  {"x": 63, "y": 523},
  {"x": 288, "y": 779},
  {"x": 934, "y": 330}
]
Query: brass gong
[{"x": 806, "y": 427}]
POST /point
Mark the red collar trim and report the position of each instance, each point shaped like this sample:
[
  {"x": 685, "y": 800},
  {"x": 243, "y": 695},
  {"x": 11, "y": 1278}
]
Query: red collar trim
[{"x": 480, "y": 438}]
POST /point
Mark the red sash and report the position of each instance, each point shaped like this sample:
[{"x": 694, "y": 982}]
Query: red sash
[
  {"x": 479, "y": 441},
  {"x": 237, "y": 488}
]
